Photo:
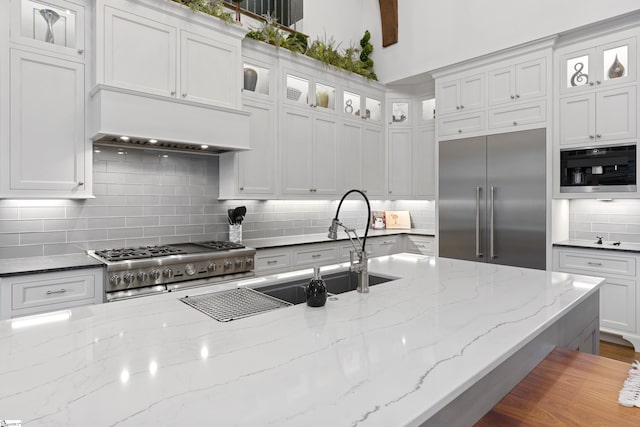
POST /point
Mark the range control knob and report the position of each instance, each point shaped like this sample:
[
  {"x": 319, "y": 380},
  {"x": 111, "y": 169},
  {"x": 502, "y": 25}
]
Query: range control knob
[
  {"x": 167, "y": 272},
  {"x": 114, "y": 280},
  {"x": 212, "y": 267},
  {"x": 155, "y": 274},
  {"x": 239, "y": 262},
  {"x": 142, "y": 276},
  {"x": 190, "y": 269},
  {"x": 249, "y": 261},
  {"x": 228, "y": 265},
  {"x": 129, "y": 278}
]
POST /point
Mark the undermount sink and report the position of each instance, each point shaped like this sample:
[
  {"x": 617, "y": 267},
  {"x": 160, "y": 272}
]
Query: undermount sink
[{"x": 337, "y": 283}]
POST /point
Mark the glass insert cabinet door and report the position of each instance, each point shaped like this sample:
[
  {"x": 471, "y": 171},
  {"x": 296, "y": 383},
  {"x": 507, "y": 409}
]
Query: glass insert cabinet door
[
  {"x": 54, "y": 25},
  {"x": 325, "y": 96},
  {"x": 256, "y": 79},
  {"x": 351, "y": 103},
  {"x": 610, "y": 64}
]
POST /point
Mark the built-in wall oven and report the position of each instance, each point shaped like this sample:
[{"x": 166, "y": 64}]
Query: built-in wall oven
[{"x": 598, "y": 169}]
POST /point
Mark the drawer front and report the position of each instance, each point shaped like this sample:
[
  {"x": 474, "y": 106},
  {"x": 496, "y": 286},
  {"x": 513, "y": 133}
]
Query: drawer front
[
  {"x": 345, "y": 249},
  {"x": 319, "y": 256},
  {"x": 272, "y": 261},
  {"x": 461, "y": 124},
  {"x": 420, "y": 245},
  {"x": 47, "y": 291},
  {"x": 385, "y": 246},
  {"x": 517, "y": 115},
  {"x": 597, "y": 263}
]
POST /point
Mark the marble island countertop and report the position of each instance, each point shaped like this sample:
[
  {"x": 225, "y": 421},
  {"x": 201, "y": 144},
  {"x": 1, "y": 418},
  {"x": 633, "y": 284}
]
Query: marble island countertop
[{"x": 392, "y": 357}]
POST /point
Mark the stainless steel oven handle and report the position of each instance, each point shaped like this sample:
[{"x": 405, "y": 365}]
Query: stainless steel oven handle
[
  {"x": 491, "y": 236},
  {"x": 478, "y": 191}
]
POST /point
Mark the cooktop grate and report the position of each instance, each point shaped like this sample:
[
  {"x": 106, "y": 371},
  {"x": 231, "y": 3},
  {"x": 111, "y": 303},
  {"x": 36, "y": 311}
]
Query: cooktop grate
[{"x": 225, "y": 306}]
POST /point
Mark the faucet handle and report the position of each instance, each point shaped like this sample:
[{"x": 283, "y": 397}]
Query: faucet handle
[{"x": 599, "y": 242}]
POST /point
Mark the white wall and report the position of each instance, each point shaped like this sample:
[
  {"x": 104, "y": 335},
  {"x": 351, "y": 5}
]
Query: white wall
[{"x": 434, "y": 34}]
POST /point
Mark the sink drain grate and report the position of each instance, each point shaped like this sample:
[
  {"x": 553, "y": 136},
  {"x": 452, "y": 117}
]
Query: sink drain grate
[{"x": 233, "y": 304}]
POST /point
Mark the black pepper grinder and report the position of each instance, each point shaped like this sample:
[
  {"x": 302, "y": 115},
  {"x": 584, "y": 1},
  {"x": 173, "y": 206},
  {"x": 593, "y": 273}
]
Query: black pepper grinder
[{"x": 316, "y": 290}]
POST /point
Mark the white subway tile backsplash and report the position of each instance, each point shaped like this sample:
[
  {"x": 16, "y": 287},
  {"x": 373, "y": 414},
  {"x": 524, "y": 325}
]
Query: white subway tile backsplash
[
  {"x": 125, "y": 233},
  {"x": 144, "y": 199},
  {"x": 43, "y": 237},
  {"x": 613, "y": 220}
]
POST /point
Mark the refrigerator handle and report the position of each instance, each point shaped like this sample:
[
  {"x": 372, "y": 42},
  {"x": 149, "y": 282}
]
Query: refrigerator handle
[
  {"x": 491, "y": 246},
  {"x": 478, "y": 253}
]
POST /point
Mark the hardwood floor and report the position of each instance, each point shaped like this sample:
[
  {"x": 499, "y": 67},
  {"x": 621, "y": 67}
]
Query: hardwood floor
[{"x": 618, "y": 352}]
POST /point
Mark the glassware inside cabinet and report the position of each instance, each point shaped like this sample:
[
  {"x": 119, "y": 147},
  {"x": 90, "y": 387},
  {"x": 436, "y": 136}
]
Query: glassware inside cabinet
[
  {"x": 297, "y": 89},
  {"x": 399, "y": 112},
  {"x": 351, "y": 103},
  {"x": 325, "y": 96},
  {"x": 256, "y": 79},
  {"x": 374, "y": 109},
  {"x": 578, "y": 71},
  {"x": 48, "y": 24},
  {"x": 429, "y": 109},
  {"x": 615, "y": 62}
]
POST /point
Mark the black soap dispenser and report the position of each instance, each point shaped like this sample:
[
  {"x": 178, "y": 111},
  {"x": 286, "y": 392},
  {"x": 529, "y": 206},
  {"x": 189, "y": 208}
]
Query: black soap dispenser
[{"x": 316, "y": 290}]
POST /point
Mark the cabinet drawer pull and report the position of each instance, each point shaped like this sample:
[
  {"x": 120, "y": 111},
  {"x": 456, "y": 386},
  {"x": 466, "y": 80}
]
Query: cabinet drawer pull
[
  {"x": 419, "y": 246},
  {"x": 596, "y": 264},
  {"x": 273, "y": 261},
  {"x": 316, "y": 256},
  {"x": 387, "y": 242},
  {"x": 59, "y": 291}
]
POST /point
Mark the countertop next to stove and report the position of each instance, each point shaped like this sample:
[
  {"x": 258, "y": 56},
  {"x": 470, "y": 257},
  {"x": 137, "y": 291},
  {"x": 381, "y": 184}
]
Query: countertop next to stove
[
  {"x": 41, "y": 264},
  {"x": 303, "y": 239},
  {"x": 394, "y": 356},
  {"x": 606, "y": 245}
]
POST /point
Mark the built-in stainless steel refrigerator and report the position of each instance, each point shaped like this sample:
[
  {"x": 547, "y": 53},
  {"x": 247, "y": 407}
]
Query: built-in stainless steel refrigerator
[{"x": 492, "y": 199}]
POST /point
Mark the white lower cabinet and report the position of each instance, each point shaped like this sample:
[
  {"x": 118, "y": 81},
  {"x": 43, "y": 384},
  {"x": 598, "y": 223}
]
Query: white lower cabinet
[
  {"x": 318, "y": 254},
  {"x": 269, "y": 261},
  {"x": 388, "y": 245},
  {"x": 42, "y": 292},
  {"x": 422, "y": 245},
  {"x": 618, "y": 295}
]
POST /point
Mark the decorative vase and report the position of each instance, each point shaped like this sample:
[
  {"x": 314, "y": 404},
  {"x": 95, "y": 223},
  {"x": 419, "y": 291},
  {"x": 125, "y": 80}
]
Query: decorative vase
[
  {"x": 323, "y": 99},
  {"x": 50, "y": 17},
  {"x": 616, "y": 70},
  {"x": 250, "y": 79}
]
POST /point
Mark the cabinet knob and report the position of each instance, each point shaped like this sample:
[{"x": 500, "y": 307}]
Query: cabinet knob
[
  {"x": 598, "y": 82},
  {"x": 459, "y": 130},
  {"x": 515, "y": 123},
  {"x": 241, "y": 188},
  {"x": 80, "y": 183},
  {"x": 364, "y": 191},
  {"x": 173, "y": 92},
  {"x": 457, "y": 107},
  {"x": 513, "y": 97},
  {"x": 184, "y": 95},
  {"x": 390, "y": 191},
  {"x": 80, "y": 51},
  {"x": 598, "y": 135},
  {"x": 517, "y": 96},
  {"x": 591, "y": 136},
  {"x": 590, "y": 83},
  {"x": 461, "y": 107}
]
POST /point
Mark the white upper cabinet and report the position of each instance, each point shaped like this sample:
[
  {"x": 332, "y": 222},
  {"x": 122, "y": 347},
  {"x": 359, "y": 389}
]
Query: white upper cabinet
[
  {"x": 461, "y": 95},
  {"x": 519, "y": 82},
  {"x": 598, "y": 64},
  {"x": 140, "y": 53},
  {"x": 400, "y": 163},
  {"x": 424, "y": 175},
  {"x": 598, "y": 100},
  {"x": 374, "y": 156},
  {"x": 56, "y": 26},
  {"x": 151, "y": 52},
  {"x": 46, "y": 153}
]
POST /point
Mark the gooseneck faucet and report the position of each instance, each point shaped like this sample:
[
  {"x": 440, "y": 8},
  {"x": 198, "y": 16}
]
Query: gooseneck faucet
[{"x": 358, "y": 257}]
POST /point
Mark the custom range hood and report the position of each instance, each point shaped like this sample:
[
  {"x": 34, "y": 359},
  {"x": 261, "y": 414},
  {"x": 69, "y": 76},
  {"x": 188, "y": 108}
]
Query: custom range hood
[{"x": 131, "y": 119}]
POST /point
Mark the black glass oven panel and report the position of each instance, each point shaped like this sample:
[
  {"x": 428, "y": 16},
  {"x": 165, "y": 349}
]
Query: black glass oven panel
[{"x": 603, "y": 166}]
